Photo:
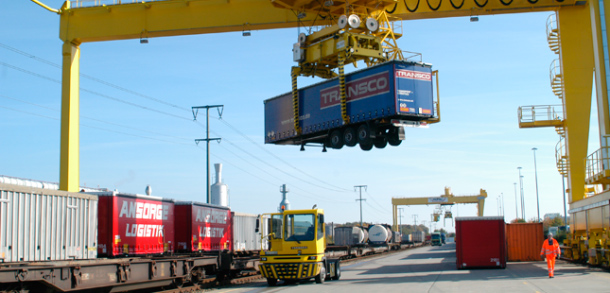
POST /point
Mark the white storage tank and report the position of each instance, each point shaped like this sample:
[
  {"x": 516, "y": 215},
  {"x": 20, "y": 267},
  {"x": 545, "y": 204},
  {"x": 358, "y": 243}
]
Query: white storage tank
[
  {"x": 220, "y": 191},
  {"x": 379, "y": 234}
]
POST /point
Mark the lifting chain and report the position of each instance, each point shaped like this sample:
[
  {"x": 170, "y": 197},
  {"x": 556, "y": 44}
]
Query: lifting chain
[
  {"x": 295, "y": 99},
  {"x": 342, "y": 88}
]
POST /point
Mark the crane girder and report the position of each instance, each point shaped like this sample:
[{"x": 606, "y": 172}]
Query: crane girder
[
  {"x": 190, "y": 17},
  {"x": 445, "y": 199}
]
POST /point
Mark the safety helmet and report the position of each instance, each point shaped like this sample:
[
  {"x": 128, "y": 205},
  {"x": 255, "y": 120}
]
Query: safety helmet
[{"x": 550, "y": 234}]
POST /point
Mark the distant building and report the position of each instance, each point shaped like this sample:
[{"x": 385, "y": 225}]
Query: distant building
[{"x": 552, "y": 216}]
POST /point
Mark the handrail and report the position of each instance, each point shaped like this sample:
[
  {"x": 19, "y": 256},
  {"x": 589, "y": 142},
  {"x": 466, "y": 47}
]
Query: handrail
[
  {"x": 551, "y": 22},
  {"x": 540, "y": 113},
  {"x": 554, "y": 70},
  {"x": 91, "y": 3},
  {"x": 45, "y": 6},
  {"x": 413, "y": 55},
  {"x": 598, "y": 161},
  {"x": 561, "y": 157}
]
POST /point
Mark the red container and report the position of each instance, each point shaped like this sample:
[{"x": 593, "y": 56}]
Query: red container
[
  {"x": 480, "y": 242},
  {"x": 203, "y": 227},
  {"x": 130, "y": 224}
]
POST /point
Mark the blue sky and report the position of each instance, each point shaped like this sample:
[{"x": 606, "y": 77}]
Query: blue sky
[{"x": 487, "y": 70}]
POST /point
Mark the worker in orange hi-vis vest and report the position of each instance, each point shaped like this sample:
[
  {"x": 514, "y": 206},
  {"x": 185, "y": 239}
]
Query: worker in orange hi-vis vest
[{"x": 550, "y": 250}]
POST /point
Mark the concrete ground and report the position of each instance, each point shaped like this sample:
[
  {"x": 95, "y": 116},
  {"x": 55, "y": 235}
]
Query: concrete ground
[{"x": 433, "y": 269}]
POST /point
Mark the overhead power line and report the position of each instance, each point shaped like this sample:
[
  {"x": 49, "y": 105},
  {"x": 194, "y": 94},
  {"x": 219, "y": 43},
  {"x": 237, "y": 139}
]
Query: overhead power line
[{"x": 109, "y": 84}]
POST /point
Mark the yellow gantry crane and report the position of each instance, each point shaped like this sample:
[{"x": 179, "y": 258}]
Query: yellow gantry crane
[
  {"x": 366, "y": 28},
  {"x": 363, "y": 30},
  {"x": 445, "y": 199}
]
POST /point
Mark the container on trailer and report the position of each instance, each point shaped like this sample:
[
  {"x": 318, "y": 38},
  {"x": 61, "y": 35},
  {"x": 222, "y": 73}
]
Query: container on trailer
[
  {"x": 397, "y": 91},
  {"x": 330, "y": 233},
  {"x": 419, "y": 236},
  {"x": 378, "y": 234},
  {"x": 350, "y": 235},
  {"x": 245, "y": 236},
  {"x": 396, "y": 237},
  {"x": 46, "y": 225},
  {"x": 524, "y": 241},
  {"x": 480, "y": 242},
  {"x": 134, "y": 224},
  {"x": 407, "y": 238},
  {"x": 203, "y": 227}
]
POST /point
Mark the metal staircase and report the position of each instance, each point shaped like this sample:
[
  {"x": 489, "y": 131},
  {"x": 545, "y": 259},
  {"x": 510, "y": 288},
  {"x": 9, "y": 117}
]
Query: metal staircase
[
  {"x": 561, "y": 154},
  {"x": 552, "y": 33},
  {"x": 556, "y": 78}
]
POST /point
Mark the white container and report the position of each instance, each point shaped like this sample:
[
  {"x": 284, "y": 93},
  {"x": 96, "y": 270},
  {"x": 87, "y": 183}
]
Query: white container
[
  {"x": 379, "y": 234},
  {"x": 45, "y": 225},
  {"x": 245, "y": 237}
]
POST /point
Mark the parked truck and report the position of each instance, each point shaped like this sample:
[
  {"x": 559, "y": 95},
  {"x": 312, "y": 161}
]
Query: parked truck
[
  {"x": 296, "y": 248},
  {"x": 379, "y": 102},
  {"x": 436, "y": 239}
]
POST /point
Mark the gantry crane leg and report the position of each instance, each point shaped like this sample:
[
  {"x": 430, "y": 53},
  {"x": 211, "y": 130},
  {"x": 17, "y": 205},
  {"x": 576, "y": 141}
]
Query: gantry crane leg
[
  {"x": 69, "y": 149},
  {"x": 577, "y": 69}
]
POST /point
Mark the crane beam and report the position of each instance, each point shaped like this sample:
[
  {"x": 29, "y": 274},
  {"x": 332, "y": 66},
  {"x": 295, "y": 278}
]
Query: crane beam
[
  {"x": 428, "y": 9},
  {"x": 172, "y": 18},
  {"x": 190, "y": 17},
  {"x": 445, "y": 199}
]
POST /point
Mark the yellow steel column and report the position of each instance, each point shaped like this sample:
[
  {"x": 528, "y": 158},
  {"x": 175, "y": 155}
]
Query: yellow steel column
[
  {"x": 602, "y": 56},
  {"x": 394, "y": 219},
  {"x": 480, "y": 207},
  {"x": 69, "y": 153},
  {"x": 577, "y": 69}
]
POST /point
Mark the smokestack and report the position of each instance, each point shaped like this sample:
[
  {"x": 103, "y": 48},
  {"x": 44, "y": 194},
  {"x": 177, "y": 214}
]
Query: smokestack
[{"x": 218, "y": 168}]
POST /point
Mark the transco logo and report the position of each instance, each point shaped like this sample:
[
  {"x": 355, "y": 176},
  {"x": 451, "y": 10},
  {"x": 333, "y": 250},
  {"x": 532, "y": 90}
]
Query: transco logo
[
  {"x": 356, "y": 90},
  {"x": 414, "y": 75}
]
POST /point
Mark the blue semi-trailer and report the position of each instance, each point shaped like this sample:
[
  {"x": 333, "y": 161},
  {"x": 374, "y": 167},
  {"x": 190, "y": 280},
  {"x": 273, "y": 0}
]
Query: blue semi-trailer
[{"x": 381, "y": 101}]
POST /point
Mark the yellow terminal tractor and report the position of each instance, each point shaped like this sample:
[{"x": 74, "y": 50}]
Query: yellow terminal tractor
[{"x": 296, "y": 248}]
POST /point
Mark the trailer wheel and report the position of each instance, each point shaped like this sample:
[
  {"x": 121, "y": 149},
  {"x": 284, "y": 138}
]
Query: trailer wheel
[
  {"x": 349, "y": 136},
  {"x": 380, "y": 142},
  {"x": 366, "y": 146},
  {"x": 364, "y": 134},
  {"x": 393, "y": 138},
  {"x": 271, "y": 282},
  {"x": 322, "y": 276},
  {"x": 336, "y": 139}
]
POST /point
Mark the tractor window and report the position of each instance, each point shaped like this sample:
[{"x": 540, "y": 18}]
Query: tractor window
[
  {"x": 276, "y": 226},
  {"x": 320, "y": 227},
  {"x": 300, "y": 227}
]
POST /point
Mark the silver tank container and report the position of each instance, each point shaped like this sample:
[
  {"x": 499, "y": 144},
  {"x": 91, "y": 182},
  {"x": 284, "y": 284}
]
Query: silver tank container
[{"x": 379, "y": 234}]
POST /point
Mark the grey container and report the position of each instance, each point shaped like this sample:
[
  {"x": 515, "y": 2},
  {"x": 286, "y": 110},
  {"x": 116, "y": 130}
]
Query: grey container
[
  {"x": 350, "y": 235},
  {"x": 245, "y": 237},
  {"x": 45, "y": 225},
  {"x": 396, "y": 237},
  {"x": 418, "y": 237},
  {"x": 407, "y": 238}
]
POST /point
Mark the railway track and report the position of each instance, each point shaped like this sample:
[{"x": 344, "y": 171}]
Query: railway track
[{"x": 213, "y": 282}]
